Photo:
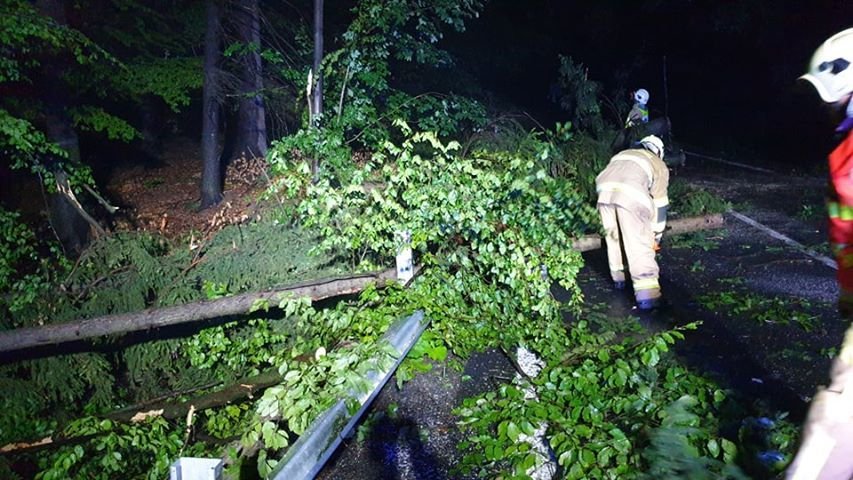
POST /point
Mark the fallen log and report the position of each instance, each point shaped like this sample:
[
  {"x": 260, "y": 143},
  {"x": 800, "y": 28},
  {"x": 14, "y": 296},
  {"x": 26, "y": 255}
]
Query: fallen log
[
  {"x": 28, "y": 337},
  {"x": 243, "y": 388},
  {"x": 673, "y": 227},
  {"x": 23, "y": 338}
]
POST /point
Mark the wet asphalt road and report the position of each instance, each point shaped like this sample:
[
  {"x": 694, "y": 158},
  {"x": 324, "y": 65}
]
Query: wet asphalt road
[{"x": 412, "y": 433}]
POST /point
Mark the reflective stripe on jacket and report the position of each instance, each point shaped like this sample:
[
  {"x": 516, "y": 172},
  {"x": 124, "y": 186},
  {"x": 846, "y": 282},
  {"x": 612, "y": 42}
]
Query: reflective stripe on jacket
[{"x": 636, "y": 177}]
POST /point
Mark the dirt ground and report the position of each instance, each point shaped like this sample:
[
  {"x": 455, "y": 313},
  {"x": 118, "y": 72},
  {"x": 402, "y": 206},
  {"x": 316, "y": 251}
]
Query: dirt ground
[{"x": 165, "y": 198}]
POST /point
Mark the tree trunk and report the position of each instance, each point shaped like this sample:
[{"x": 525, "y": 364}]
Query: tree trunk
[
  {"x": 251, "y": 121},
  {"x": 246, "y": 387},
  {"x": 211, "y": 178},
  {"x": 23, "y": 338},
  {"x": 316, "y": 101},
  {"x": 673, "y": 227},
  {"x": 67, "y": 218},
  {"x": 152, "y": 123},
  {"x": 317, "y": 88},
  {"x": 243, "y": 388}
]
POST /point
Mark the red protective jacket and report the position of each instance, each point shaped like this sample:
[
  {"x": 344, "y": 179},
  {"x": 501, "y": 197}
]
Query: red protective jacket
[{"x": 840, "y": 206}]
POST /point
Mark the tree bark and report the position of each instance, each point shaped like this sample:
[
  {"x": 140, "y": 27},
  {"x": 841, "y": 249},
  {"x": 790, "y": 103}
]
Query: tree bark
[
  {"x": 251, "y": 129},
  {"x": 315, "y": 105},
  {"x": 317, "y": 87},
  {"x": 69, "y": 220},
  {"x": 243, "y": 388},
  {"x": 211, "y": 178},
  {"x": 23, "y": 338},
  {"x": 673, "y": 227}
]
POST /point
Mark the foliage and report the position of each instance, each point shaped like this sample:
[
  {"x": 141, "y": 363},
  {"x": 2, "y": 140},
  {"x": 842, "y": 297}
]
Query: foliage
[
  {"x": 26, "y": 31},
  {"x": 562, "y": 152},
  {"x": 703, "y": 240},
  {"x": 762, "y": 309},
  {"x": 691, "y": 201},
  {"x": 171, "y": 79},
  {"x": 24, "y": 275},
  {"x": 43, "y": 57},
  {"x": 598, "y": 399},
  {"x": 289, "y": 154},
  {"x": 446, "y": 115},
  {"x": 580, "y": 96},
  {"x": 479, "y": 203},
  {"x": 26, "y": 146},
  {"x": 130, "y": 272},
  {"x": 486, "y": 287},
  {"x": 673, "y": 456},
  {"x": 142, "y": 450},
  {"x": 357, "y": 75},
  {"x": 29, "y": 39},
  {"x": 429, "y": 348},
  {"x": 97, "y": 120}
]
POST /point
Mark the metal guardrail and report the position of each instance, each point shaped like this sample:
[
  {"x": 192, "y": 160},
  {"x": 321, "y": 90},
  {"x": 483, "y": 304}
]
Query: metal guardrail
[{"x": 309, "y": 453}]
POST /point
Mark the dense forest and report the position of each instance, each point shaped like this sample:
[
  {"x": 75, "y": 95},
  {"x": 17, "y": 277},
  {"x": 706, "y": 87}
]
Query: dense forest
[{"x": 314, "y": 143}]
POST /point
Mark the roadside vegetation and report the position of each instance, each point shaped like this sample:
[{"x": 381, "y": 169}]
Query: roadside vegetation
[{"x": 492, "y": 206}]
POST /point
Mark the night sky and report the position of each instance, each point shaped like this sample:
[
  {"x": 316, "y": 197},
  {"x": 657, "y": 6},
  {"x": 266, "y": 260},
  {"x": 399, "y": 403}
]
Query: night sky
[{"x": 731, "y": 66}]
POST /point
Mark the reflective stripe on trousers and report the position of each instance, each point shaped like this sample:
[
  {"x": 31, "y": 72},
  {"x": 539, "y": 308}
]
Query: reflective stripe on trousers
[{"x": 630, "y": 228}]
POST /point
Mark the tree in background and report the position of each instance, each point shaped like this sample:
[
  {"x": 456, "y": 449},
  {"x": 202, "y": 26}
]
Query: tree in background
[
  {"x": 315, "y": 82},
  {"x": 211, "y": 177},
  {"x": 123, "y": 70},
  {"x": 251, "y": 118},
  {"x": 58, "y": 82},
  {"x": 580, "y": 96},
  {"x": 361, "y": 102}
]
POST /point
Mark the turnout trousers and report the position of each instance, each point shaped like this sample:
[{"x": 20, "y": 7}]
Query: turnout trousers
[{"x": 631, "y": 229}]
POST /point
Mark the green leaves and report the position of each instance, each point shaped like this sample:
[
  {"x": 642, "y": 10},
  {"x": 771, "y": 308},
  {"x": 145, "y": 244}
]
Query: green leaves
[{"x": 96, "y": 119}]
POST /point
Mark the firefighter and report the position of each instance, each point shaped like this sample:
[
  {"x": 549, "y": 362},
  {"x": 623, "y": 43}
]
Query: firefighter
[
  {"x": 826, "y": 450},
  {"x": 638, "y": 125},
  {"x": 632, "y": 201},
  {"x": 639, "y": 112}
]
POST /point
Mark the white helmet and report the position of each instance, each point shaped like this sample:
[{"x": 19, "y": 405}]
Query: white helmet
[
  {"x": 641, "y": 96},
  {"x": 830, "y": 69},
  {"x": 653, "y": 144}
]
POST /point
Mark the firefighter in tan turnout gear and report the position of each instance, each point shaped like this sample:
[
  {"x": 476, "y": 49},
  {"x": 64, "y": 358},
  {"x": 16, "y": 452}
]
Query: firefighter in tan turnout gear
[{"x": 632, "y": 201}]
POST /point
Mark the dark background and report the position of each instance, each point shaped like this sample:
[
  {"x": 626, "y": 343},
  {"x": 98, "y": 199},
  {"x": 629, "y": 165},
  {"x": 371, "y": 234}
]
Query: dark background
[{"x": 731, "y": 66}]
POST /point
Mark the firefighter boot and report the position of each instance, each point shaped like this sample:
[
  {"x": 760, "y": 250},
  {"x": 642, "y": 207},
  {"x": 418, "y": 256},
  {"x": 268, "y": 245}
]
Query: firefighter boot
[{"x": 648, "y": 304}]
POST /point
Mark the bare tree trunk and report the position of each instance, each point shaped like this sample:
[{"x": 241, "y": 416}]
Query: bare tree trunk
[
  {"x": 673, "y": 227},
  {"x": 317, "y": 88},
  {"x": 23, "y": 338},
  {"x": 67, "y": 217},
  {"x": 251, "y": 122},
  {"x": 151, "y": 119},
  {"x": 316, "y": 100},
  {"x": 211, "y": 178}
]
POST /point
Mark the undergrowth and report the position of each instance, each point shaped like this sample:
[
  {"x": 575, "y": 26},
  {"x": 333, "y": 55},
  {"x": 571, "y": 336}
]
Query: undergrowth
[{"x": 493, "y": 231}]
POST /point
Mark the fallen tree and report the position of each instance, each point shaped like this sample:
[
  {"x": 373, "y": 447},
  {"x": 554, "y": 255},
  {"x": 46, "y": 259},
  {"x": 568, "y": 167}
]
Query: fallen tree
[
  {"x": 23, "y": 338},
  {"x": 243, "y": 388},
  {"x": 29, "y": 337},
  {"x": 673, "y": 227}
]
